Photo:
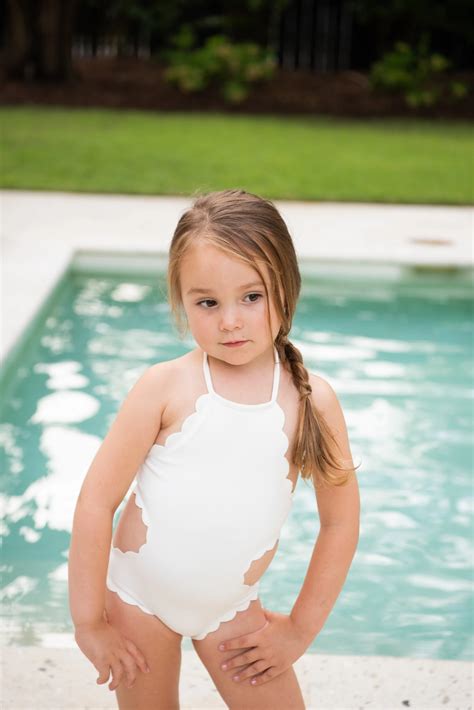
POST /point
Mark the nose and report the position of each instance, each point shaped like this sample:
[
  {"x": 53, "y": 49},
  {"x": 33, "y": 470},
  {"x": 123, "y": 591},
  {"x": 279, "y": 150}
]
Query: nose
[{"x": 230, "y": 319}]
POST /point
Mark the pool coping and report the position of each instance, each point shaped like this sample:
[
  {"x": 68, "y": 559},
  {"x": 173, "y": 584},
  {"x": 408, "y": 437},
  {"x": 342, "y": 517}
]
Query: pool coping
[{"x": 43, "y": 234}]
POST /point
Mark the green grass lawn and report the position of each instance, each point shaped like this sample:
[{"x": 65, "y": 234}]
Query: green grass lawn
[{"x": 295, "y": 158}]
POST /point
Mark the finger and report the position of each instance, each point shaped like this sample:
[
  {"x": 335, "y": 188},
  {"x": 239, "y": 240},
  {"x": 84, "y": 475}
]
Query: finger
[
  {"x": 117, "y": 674},
  {"x": 250, "y": 671},
  {"x": 138, "y": 656},
  {"x": 104, "y": 672},
  {"x": 264, "y": 677},
  {"x": 245, "y": 641},
  {"x": 130, "y": 668},
  {"x": 241, "y": 659}
]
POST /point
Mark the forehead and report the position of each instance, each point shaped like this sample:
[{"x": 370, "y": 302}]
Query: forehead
[{"x": 206, "y": 266}]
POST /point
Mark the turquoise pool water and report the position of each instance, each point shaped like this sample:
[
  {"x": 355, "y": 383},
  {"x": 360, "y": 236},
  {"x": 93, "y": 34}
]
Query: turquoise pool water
[{"x": 399, "y": 353}]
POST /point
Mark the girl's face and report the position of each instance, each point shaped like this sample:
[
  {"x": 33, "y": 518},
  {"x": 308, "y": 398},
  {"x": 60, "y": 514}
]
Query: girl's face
[{"x": 224, "y": 300}]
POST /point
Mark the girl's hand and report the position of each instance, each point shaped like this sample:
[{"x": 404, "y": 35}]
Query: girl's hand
[
  {"x": 276, "y": 646},
  {"x": 109, "y": 651}
]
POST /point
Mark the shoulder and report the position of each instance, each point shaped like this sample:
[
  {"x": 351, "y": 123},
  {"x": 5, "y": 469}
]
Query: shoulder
[
  {"x": 168, "y": 372},
  {"x": 327, "y": 403},
  {"x": 323, "y": 394},
  {"x": 165, "y": 368}
]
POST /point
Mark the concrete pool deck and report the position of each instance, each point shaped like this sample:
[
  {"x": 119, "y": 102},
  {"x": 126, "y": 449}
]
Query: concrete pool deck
[
  {"x": 60, "y": 679},
  {"x": 42, "y": 233}
]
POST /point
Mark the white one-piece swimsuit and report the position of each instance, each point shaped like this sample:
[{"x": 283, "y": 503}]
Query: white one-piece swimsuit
[{"x": 214, "y": 498}]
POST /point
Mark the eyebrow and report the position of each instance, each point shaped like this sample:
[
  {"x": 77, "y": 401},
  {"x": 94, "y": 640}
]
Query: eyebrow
[{"x": 209, "y": 290}]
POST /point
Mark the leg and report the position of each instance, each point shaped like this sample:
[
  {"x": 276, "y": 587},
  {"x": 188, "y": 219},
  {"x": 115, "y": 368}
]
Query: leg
[
  {"x": 281, "y": 693},
  {"x": 161, "y": 647}
]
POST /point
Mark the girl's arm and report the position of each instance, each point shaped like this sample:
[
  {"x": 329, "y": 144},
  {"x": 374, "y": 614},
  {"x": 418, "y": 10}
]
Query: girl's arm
[
  {"x": 339, "y": 510},
  {"x": 109, "y": 477},
  {"x": 273, "y": 648}
]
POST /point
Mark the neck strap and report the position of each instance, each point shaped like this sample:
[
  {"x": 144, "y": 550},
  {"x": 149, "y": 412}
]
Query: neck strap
[{"x": 276, "y": 377}]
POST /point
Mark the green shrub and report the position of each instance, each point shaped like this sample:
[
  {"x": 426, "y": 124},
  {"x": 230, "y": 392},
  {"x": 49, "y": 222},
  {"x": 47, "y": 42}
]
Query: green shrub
[
  {"x": 230, "y": 66},
  {"x": 412, "y": 72}
]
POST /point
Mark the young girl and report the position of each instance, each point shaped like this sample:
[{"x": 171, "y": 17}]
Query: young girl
[{"x": 216, "y": 439}]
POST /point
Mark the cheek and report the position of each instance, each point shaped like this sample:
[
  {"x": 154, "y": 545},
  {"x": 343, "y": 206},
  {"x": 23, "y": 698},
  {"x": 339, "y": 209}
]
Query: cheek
[
  {"x": 260, "y": 319},
  {"x": 194, "y": 318},
  {"x": 257, "y": 314},
  {"x": 199, "y": 321}
]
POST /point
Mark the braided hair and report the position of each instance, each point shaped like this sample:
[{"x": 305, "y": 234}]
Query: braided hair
[{"x": 250, "y": 228}]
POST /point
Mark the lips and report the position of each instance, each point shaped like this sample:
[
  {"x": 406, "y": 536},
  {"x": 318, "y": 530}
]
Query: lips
[{"x": 234, "y": 342}]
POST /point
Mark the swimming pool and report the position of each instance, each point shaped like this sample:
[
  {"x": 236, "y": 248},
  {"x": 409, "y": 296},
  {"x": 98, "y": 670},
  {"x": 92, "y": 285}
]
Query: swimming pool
[{"x": 395, "y": 344}]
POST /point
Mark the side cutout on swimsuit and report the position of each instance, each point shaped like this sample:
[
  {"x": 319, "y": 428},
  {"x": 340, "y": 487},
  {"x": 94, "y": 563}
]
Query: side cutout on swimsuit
[
  {"x": 259, "y": 566},
  {"x": 131, "y": 532}
]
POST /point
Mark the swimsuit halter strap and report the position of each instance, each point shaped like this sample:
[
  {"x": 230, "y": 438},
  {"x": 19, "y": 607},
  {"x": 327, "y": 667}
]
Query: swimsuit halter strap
[{"x": 276, "y": 376}]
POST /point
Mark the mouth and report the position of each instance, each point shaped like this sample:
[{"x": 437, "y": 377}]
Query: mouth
[{"x": 234, "y": 343}]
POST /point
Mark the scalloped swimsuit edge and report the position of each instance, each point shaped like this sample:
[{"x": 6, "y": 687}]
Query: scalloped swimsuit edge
[{"x": 193, "y": 494}]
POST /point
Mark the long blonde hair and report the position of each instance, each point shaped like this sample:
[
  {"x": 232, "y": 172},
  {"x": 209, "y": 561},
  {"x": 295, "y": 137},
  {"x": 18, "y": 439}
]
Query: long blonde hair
[{"x": 251, "y": 229}]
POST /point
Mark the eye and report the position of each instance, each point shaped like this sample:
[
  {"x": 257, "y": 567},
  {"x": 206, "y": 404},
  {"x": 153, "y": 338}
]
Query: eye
[
  {"x": 212, "y": 301},
  {"x": 206, "y": 300},
  {"x": 259, "y": 295}
]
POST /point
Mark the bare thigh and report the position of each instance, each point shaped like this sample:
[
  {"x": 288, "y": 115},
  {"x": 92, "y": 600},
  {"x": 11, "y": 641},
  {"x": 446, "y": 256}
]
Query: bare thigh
[
  {"x": 161, "y": 647},
  {"x": 281, "y": 693}
]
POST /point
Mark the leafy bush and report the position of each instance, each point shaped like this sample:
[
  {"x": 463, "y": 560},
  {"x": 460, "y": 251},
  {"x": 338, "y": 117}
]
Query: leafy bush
[
  {"x": 412, "y": 72},
  {"x": 232, "y": 67}
]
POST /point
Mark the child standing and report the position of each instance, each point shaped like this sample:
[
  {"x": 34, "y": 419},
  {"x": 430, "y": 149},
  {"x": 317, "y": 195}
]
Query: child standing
[{"x": 216, "y": 439}]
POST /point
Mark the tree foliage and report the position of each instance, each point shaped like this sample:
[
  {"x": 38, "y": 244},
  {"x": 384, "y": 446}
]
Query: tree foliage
[{"x": 447, "y": 23}]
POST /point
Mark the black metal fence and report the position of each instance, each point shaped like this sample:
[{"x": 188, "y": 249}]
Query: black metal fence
[
  {"x": 311, "y": 35},
  {"x": 314, "y": 35}
]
